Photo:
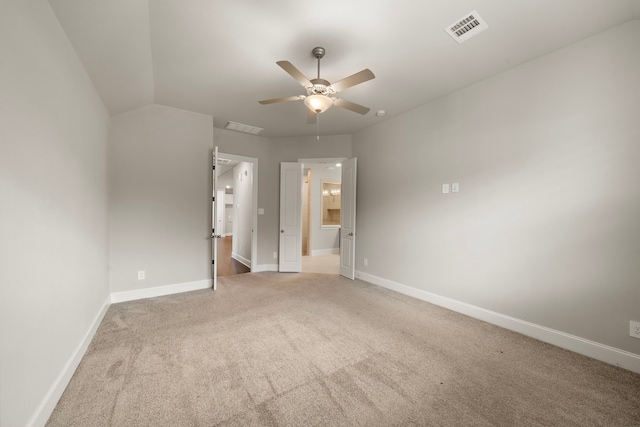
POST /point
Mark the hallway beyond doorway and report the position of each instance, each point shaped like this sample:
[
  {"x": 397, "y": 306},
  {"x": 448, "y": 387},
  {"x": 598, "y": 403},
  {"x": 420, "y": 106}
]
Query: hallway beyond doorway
[
  {"x": 327, "y": 264},
  {"x": 228, "y": 266}
]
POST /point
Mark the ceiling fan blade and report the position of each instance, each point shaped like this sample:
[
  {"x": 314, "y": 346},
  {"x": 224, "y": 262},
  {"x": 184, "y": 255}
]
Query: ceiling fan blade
[
  {"x": 350, "y": 106},
  {"x": 286, "y": 99},
  {"x": 294, "y": 72},
  {"x": 352, "y": 80},
  {"x": 312, "y": 117}
]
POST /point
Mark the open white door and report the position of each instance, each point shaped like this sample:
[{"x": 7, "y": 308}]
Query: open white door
[
  {"x": 215, "y": 231},
  {"x": 290, "y": 257},
  {"x": 348, "y": 220}
]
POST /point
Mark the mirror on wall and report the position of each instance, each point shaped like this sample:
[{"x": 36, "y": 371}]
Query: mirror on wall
[{"x": 330, "y": 204}]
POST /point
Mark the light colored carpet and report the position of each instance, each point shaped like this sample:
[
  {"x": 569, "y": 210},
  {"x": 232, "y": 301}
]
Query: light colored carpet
[{"x": 303, "y": 349}]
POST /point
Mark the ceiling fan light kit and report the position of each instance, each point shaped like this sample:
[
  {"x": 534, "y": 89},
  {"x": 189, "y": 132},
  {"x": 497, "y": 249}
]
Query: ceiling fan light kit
[
  {"x": 318, "y": 103},
  {"x": 321, "y": 93}
]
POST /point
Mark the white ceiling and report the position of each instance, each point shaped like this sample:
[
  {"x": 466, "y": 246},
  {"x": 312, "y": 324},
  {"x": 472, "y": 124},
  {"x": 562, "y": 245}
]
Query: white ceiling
[{"x": 218, "y": 57}]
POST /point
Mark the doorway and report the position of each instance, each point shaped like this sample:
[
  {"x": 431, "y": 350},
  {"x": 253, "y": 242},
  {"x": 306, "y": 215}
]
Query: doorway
[
  {"x": 236, "y": 197},
  {"x": 321, "y": 190},
  {"x": 290, "y": 241}
]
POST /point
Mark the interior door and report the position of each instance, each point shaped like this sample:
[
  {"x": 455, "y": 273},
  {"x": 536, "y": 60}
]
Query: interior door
[
  {"x": 290, "y": 256},
  {"x": 348, "y": 220},
  {"x": 215, "y": 230}
]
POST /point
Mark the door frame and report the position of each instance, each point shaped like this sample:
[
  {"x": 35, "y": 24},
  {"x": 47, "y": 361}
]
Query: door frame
[
  {"x": 331, "y": 160},
  {"x": 254, "y": 203}
]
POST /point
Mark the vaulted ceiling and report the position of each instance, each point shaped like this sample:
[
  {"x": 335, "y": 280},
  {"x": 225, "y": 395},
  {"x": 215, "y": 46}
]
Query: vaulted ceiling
[{"x": 218, "y": 57}]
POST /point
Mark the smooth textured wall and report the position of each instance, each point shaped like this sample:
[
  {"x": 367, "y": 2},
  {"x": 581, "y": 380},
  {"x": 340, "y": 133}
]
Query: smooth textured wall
[
  {"x": 545, "y": 226},
  {"x": 160, "y": 207},
  {"x": 54, "y": 131}
]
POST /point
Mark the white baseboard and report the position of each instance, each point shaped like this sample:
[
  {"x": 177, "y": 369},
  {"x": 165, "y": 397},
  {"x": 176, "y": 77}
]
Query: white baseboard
[
  {"x": 50, "y": 400},
  {"x": 160, "y": 291},
  {"x": 329, "y": 251},
  {"x": 264, "y": 267},
  {"x": 241, "y": 259},
  {"x": 595, "y": 350}
]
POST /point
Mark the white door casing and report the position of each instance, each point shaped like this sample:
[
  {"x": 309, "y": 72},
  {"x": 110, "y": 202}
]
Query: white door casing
[
  {"x": 215, "y": 231},
  {"x": 290, "y": 247},
  {"x": 348, "y": 219}
]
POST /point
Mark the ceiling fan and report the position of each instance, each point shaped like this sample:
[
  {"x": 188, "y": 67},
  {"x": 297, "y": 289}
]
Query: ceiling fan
[{"x": 320, "y": 93}]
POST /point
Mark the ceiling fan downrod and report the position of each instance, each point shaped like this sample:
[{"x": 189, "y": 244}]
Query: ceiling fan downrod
[{"x": 318, "y": 52}]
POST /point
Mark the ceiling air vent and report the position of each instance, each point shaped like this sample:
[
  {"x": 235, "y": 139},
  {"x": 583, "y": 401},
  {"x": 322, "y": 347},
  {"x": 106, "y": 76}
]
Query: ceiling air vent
[
  {"x": 466, "y": 27},
  {"x": 243, "y": 128}
]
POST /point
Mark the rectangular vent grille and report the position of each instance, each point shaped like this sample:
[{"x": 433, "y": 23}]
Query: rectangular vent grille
[
  {"x": 466, "y": 27},
  {"x": 243, "y": 128}
]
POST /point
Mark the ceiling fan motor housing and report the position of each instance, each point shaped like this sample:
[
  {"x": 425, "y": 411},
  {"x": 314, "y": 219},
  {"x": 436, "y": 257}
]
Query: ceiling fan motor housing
[{"x": 320, "y": 87}]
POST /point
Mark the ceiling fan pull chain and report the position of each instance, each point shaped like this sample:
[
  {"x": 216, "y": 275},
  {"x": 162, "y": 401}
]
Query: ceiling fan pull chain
[{"x": 318, "y": 127}]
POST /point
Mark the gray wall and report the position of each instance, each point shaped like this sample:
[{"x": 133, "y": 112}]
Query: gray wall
[
  {"x": 160, "y": 187},
  {"x": 54, "y": 131},
  {"x": 160, "y": 207},
  {"x": 546, "y": 225}
]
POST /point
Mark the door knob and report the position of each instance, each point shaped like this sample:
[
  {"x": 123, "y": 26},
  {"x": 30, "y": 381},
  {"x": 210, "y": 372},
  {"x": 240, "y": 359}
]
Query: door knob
[
  {"x": 350, "y": 234},
  {"x": 282, "y": 231}
]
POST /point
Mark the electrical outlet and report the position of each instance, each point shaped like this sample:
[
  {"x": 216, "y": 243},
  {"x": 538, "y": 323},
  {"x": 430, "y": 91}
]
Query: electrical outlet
[
  {"x": 366, "y": 262},
  {"x": 141, "y": 275},
  {"x": 445, "y": 188},
  {"x": 634, "y": 329},
  {"x": 275, "y": 255}
]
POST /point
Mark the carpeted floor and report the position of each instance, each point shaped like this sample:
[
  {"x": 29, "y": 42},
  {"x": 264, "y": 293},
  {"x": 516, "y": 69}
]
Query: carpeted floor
[{"x": 304, "y": 349}]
